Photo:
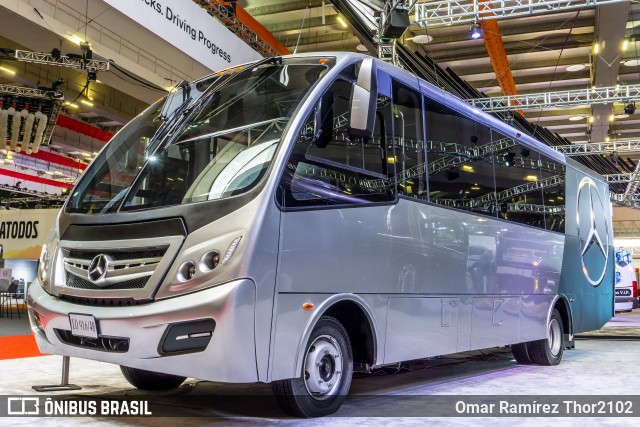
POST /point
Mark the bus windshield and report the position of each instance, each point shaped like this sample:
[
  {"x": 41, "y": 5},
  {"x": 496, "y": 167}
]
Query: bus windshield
[{"x": 222, "y": 148}]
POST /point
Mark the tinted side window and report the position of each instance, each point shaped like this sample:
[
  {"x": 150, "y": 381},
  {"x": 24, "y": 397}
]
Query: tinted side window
[
  {"x": 410, "y": 154},
  {"x": 518, "y": 183},
  {"x": 336, "y": 169},
  {"x": 460, "y": 153},
  {"x": 553, "y": 184}
]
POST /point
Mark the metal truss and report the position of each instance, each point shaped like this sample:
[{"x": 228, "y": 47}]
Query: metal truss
[
  {"x": 233, "y": 24},
  {"x": 531, "y": 208},
  {"x": 559, "y": 99},
  {"x": 25, "y": 92},
  {"x": 441, "y": 13},
  {"x": 61, "y": 61},
  {"x": 617, "y": 178},
  {"x": 632, "y": 186},
  {"x": 549, "y": 182},
  {"x": 631, "y": 146}
]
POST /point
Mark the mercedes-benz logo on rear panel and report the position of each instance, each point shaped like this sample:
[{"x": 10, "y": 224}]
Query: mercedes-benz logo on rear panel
[
  {"x": 98, "y": 268},
  {"x": 593, "y": 231}
]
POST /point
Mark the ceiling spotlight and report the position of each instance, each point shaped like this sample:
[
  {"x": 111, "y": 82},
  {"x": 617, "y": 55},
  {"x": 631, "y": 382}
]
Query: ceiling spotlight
[
  {"x": 362, "y": 48},
  {"x": 525, "y": 152},
  {"x": 453, "y": 174},
  {"x": 55, "y": 53},
  {"x": 613, "y": 157},
  {"x": 630, "y": 109},
  {"x": 475, "y": 31},
  {"x": 474, "y": 139},
  {"x": 509, "y": 158},
  {"x": 509, "y": 118}
]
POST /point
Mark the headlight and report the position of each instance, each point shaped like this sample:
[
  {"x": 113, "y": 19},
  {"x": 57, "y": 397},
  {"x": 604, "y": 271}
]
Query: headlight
[{"x": 47, "y": 255}]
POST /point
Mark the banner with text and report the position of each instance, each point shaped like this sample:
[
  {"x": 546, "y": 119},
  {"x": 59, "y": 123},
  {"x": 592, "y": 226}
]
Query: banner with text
[
  {"x": 23, "y": 232},
  {"x": 191, "y": 29}
]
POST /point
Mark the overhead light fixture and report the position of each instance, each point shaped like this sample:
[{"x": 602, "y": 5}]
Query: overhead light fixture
[
  {"x": 612, "y": 117},
  {"x": 75, "y": 39},
  {"x": 8, "y": 71},
  {"x": 613, "y": 157},
  {"x": 423, "y": 39},
  {"x": 596, "y": 48},
  {"x": 475, "y": 31},
  {"x": 621, "y": 116},
  {"x": 632, "y": 62},
  {"x": 531, "y": 178},
  {"x": 625, "y": 45},
  {"x": 591, "y": 119},
  {"x": 467, "y": 168},
  {"x": 576, "y": 118},
  {"x": 362, "y": 48},
  {"x": 575, "y": 67},
  {"x": 509, "y": 158},
  {"x": 630, "y": 108},
  {"x": 86, "y": 102},
  {"x": 342, "y": 21}
]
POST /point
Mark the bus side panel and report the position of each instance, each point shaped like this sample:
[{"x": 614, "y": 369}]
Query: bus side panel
[
  {"x": 435, "y": 333},
  {"x": 417, "y": 250},
  {"x": 588, "y": 271}
]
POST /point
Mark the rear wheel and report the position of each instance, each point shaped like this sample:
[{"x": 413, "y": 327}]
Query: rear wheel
[
  {"x": 549, "y": 351},
  {"x": 148, "y": 380},
  {"x": 326, "y": 373}
]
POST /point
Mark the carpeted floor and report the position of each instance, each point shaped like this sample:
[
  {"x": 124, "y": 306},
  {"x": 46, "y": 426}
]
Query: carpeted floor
[{"x": 18, "y": 347}]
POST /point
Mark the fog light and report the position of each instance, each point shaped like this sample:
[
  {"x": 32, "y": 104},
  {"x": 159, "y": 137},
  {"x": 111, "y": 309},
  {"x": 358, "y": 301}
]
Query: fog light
[
  {"x": 209, "y": 261},
  {"x": 186, "y": 271}
]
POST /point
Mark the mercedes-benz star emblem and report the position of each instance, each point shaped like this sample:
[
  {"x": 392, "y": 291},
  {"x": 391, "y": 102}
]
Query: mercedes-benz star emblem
[
  {"x": 593, "y": 232},
  {"x": 98, "y": 268}
]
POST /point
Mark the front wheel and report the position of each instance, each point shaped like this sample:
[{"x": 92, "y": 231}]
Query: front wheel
[
  {"x": 326, "y": 373},
  {"x": 549, "y": 351},
  {"x": 149, "y": 380}
]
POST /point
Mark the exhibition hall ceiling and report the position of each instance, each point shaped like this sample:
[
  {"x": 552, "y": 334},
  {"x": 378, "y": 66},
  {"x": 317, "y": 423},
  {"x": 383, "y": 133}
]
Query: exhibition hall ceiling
[{"x": 547, "y": 52}]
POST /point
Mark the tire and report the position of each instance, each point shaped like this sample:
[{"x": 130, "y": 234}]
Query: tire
[
  {"x": 148, "y": 380},
  {"x": 548, "y": 352},
  {"x": 326, "y": 373},
  {"x": 522, "y": 353}
]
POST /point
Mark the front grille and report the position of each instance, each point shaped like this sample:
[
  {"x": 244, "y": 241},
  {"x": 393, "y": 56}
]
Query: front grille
[
  {"x": 110, "y": 344},
  {"x": 124, "y": 269},
  {"x": 74, "y": 281},
  {"x": 103, "y": 302}
]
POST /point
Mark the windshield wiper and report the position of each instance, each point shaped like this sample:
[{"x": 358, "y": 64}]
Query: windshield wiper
[{"x": 231, "y": 130}]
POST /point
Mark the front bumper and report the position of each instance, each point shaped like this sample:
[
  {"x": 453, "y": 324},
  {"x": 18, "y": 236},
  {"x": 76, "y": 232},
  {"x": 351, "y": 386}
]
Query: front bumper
[{"x": 229, "y": 357}]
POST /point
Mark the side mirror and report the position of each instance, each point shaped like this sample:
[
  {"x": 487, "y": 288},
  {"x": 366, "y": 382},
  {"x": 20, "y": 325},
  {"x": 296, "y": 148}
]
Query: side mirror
[
  {"x": 364, "y": 99},
  {"x": 323, "y": 122}
]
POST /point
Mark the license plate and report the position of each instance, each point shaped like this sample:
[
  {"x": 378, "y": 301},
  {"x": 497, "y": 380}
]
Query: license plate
[
  {"x": 623, "y": 292},
  {"x": 83, "y": 325}
]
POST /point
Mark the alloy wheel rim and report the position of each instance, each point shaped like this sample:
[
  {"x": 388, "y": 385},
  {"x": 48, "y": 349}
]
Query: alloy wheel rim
[{"x": 323, "y": 367}]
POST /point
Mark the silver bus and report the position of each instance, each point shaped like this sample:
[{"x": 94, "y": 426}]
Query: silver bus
[{"x": 297, "y": 219}]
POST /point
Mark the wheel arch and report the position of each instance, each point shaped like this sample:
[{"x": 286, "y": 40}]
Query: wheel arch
[
  {"x": 352, "y": 312},
  {"x": 561, "y": 303}
]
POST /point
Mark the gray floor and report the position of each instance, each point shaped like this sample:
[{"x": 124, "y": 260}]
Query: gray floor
[
  {"x": 598, "y": 366},
  {"x": 14, "y": 326}
]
